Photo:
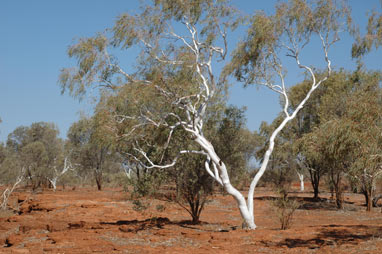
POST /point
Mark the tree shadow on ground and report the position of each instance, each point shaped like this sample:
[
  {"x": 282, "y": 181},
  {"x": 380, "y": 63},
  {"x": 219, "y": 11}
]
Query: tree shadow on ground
[
  {"x": 336, "y": 235},
  {"x": 160, "y": 223},
  {"x": 309, "y": 203},
  {"x": 138, "y": 225},
  {"x": 316, "y": 204}
]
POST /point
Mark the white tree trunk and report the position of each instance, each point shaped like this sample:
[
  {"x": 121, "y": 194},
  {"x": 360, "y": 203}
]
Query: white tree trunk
[
  {"x": 223, "y": 179},
  {"x": 301, "y": 177},
  {"x": 53, "y": 182},
  {"x": 264, "y": 164},
  {"x": 58, "y": 174},
  {"x": 7, "y": 192}
]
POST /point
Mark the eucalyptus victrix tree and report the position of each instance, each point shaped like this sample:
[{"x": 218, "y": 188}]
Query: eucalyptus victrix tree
[
  {"x": 175, "y": 83},
  {"x": 258, "y": 60},
  {"x": 176, "y": 66}
]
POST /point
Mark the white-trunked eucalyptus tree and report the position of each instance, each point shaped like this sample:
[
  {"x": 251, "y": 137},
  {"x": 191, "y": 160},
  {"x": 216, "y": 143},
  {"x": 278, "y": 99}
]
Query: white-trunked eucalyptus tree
[
  {"x": 174, "y": 83},
  {"x": 257, "y": 60}
]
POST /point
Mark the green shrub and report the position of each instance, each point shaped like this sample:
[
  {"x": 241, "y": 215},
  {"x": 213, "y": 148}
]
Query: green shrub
[{"x": 284, "y": 208}]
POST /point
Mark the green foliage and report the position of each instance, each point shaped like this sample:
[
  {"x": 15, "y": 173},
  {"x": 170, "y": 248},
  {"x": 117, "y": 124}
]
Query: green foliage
[
  {"x": 96, "y": 66},
  {"x": 235, "y": 143},
  {"x": 37, "y": 149},
  {"x": 92, "y": 146},
  {"x": 193, "y": 185},
  {"x": 346, "y": 136},
  {"x": 256, "y": 59},
  {"x": 146, "y": 183},
  {"x": 328, "y": 134},
  {"x": 89, "y": 54},
  {"x": 69, "y": 179},
  {"x": 194, "y": 9},
  {"x": 36, "y": 157},
  {"x": 3, "y": 153},
  {"x": 18, "y": 138},
  {"x": 372, "y": 38},
  {"x": 10, "y": 168},
  {"x": 365, "y": 116}
]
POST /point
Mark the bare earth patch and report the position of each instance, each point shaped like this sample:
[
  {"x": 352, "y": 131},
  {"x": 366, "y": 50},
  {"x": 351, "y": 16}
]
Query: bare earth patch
[{"x": 88, "y": 221}]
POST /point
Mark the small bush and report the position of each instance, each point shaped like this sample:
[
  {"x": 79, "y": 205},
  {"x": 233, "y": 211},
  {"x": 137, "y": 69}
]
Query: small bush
[
  {"x": 139, "y": 206},
  {"x": 284, "y": 208},
  {"x": 146, "y": 185},
  {"x": 160, "y": 208}
]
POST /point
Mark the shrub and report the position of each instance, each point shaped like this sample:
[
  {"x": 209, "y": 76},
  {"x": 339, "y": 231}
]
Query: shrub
[{"x": 284, "y": 208}]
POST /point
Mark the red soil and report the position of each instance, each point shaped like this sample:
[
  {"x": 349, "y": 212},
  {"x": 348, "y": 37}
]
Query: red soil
[{"x": 89, "y": 221}]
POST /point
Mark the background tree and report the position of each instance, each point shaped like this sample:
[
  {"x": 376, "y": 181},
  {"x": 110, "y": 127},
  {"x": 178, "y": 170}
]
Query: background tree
[
  {"x": 290, "y": 157},
  {"x": 35, "y": 157},
  {"x": 38, "y": 147},
  {"x": 327, "y": 103},
  {"x": 2, "y": 152},
  {"x": 323, "y": 106},
  {"x": 336, "y": 143},
  {"x": 363, "y": 45},
  {"x": 305, "y": 122},
  {"x": 363, "y": 111},
  {"x": 91, "y": 146},
  {"x": 10, "y": 167},
  {"x": 367, "y": 168},
  {"x": 235, "y": 143},
  {"x": 61, "y": 167},
  {"x": 12, "y": 174},
  {"x": 17, "y": 139},
  {"x": 308, "y": 158},
  {"x": 336, "y": 140},
  {"x": 282, "y": 163}
]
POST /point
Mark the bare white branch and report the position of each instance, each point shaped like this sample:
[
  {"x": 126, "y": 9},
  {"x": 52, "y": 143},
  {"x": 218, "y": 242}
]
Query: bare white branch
[{"x": 8, "y": 191}]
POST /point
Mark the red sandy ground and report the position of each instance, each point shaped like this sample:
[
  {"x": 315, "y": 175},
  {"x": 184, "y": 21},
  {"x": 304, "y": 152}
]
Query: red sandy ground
[{"x": 89, "y": 221}]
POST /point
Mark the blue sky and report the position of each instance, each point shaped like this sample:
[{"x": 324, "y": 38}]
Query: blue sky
[{"x": 34, "y": 37}]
